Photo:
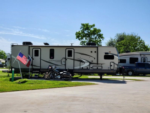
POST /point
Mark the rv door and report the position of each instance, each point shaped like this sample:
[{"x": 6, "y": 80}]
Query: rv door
[
  {"x": 36, "y": 58},
  {"x": 69, "y": 58},
  {"x": 143, "y": 59}
]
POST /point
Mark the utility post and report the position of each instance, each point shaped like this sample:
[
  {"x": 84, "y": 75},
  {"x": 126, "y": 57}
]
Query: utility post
[
  {"x": 12, "y": 79},
  {"x": 101, "y": 76}
]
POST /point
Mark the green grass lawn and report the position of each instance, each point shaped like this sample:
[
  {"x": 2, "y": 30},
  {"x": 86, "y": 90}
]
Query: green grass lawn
[{"x": 25, "y": 84}]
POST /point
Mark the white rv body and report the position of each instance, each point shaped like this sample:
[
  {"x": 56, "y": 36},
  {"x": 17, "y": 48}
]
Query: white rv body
[
  {"x": 129, "y": 59},
  {"x": 76, "y": 59}
]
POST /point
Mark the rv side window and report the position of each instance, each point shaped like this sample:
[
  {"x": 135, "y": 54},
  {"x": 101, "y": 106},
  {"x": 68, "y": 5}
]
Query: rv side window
[
  {"x": 51, "y": 53},
  {"x": 122, "y": 61},
  {"x": 108, "y": 57},
  {"x": 144, "y": 59},
  {"x": 69, "y": 53},
  {"x": 133, "y": 60},
  {"x": 36, "y": 52}
]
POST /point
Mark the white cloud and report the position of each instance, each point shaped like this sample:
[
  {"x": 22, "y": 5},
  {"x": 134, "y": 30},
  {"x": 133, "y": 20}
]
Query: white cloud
[
  {"x": 6, "y": 28},
  {"x": 39, "y": 29},
  {"x": 44, "y": 30},
  {"x": 5, "y": 45},
  {"x": 20, "y": 33},
  {"x": 17, "y": 30},
  {"x": 17, "y": 27}
]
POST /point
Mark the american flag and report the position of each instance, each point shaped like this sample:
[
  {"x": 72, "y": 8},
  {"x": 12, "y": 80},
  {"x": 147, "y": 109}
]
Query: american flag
[
  {"x": 22, "y": 58},
  {"x": 29, "y": 61}
]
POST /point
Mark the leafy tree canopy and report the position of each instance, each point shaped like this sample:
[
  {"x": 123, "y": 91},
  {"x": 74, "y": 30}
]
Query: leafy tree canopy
[
  {"x": 2, "y": 54},
  {"x": 118, "y": 38},
  {"x": 88, "y": 33},
  {"x": 128, "y": 42}
]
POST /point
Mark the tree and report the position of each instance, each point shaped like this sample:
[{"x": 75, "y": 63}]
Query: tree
[
  {"x": 111, "y": 42},
  {"x": 128, "y": 42},
  {"x": 118, "y": 38},
  {"x": 132, "y": 43},
  {"x": 2, "y": 54},
  {"x": 88, "y": 33}
]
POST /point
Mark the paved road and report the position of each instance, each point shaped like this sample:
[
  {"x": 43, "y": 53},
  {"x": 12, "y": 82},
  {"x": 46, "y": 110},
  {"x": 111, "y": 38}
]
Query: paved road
[
  {"x": 106, "y": 97},
  {"x": 121, "y": 77}
]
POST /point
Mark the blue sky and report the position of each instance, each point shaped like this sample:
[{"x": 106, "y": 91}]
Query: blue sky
[{"x": 56, "y": 21}]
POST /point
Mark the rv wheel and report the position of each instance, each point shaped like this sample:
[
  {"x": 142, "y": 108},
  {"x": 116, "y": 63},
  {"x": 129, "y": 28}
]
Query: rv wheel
[{"x": 130, "y": 73}]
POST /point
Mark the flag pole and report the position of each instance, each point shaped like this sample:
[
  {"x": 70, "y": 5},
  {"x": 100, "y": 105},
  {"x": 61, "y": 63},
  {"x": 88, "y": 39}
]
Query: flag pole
[
  {"x": 15, "y": 57},
  {"x": 20, "y": 69},
  {"x": 30, "y": 65},
  {"x": 18, "y": 64}
]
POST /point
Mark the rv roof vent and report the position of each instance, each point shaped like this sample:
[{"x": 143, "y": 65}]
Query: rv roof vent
[
  {"x": 46, "y": 43},
  {"x": 91, "y": 43},
  {"x": 27, "y": 43}
]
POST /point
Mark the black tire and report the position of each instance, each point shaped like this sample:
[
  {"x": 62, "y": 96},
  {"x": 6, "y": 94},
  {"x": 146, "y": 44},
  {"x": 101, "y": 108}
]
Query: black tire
[{"x": 130, "y": 73}]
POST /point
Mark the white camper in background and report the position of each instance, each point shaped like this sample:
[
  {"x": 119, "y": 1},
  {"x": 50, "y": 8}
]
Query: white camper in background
[
  {"x": 129, "y": 59},
  {"x": 7, "y": 61},
  {"x": 75, "y": 59}
]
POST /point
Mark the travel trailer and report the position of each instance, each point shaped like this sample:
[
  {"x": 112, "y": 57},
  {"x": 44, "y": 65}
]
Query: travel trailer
[
  {"x": 129, "y": 59},
  {"x": 7, "y": 61},
  {"x": 75, "y": 59}
]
